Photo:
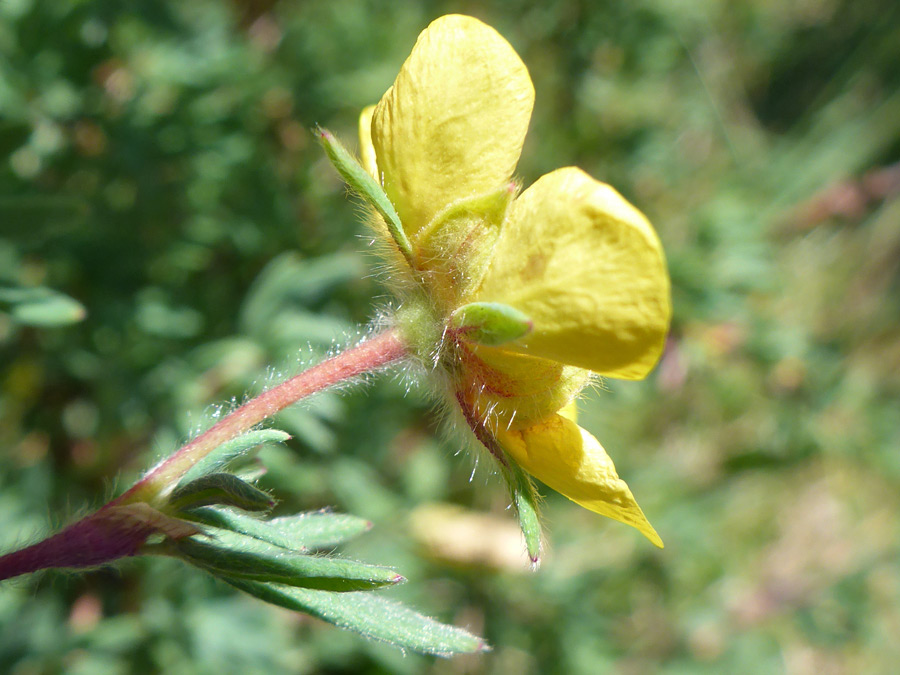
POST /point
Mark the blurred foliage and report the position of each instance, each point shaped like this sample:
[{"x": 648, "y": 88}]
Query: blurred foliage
[{"x": 158, "y": 169}]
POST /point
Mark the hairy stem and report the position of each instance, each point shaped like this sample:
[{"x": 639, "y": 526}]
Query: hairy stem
[
  {"x": 117, "y": 530},
  {"x": 366, "y": 357}
]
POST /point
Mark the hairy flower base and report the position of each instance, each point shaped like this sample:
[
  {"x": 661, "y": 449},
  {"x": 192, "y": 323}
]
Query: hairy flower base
[{"x": 503, "y": 398}]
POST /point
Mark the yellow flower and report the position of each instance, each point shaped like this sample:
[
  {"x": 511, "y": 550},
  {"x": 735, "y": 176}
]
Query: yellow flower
[{"x": 580, "y": 266}]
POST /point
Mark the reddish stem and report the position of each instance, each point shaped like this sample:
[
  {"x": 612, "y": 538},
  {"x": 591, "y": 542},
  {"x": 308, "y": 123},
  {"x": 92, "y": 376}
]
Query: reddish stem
[
  {"x": 366, "y": 357},
  {"x": 103, "y": 536}
]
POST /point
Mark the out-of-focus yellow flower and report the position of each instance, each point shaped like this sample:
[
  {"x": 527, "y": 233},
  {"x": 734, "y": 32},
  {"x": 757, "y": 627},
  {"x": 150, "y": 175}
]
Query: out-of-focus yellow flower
[{"x": 578, "y": 269}]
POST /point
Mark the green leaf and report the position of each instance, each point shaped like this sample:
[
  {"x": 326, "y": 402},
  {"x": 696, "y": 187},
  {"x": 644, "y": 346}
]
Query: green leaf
[
  {"x": 220, "y": 488},
  {"x": 228, "y": 554},
  {"x": 321, "y": 529},
  {"x": 231, "y": 450},
  {"x": 372, "y": 616},
  {"x": 41, "y": 307},
  {"x": 366, "y": 187},
  {"x": 245, "y": 524},
  {"x": 305, "y": 531},
  {"x": 490, "y": 323}
]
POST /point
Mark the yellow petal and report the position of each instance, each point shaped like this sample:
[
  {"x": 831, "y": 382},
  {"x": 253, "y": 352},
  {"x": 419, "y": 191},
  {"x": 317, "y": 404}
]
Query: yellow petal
[
  {"x": 366, "y": 149},
  {"x": 453, "y": 123},
  {"x": 569, "y": 411},
  {"x": 567, "y": 458},
  {"x": 589, "y": 270}
]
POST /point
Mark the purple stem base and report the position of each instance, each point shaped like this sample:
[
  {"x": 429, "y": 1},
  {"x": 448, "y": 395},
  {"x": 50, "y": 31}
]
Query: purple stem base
[{"x": 87, "y": 543}]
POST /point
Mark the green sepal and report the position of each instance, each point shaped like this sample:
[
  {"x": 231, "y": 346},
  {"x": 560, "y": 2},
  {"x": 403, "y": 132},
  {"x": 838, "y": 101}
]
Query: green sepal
[
  {"x": 228, "y": 554},
  {"x": 223, "y": 489},
  {"x": 489, "y": 210},
  {"x": 372, "y": 616},
  {"x": 456, "y": 246},
  {"x": 231, "y": 450},
  {"x": 363, "y": 184},
  {"x": 527, "y": 502},
  {"x": 305, "y": 531},
  {"x": 490, "y": 323}
]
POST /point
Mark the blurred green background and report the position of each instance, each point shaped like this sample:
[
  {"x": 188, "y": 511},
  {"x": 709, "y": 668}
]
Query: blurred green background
[{"x": 158, "y": 171}]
